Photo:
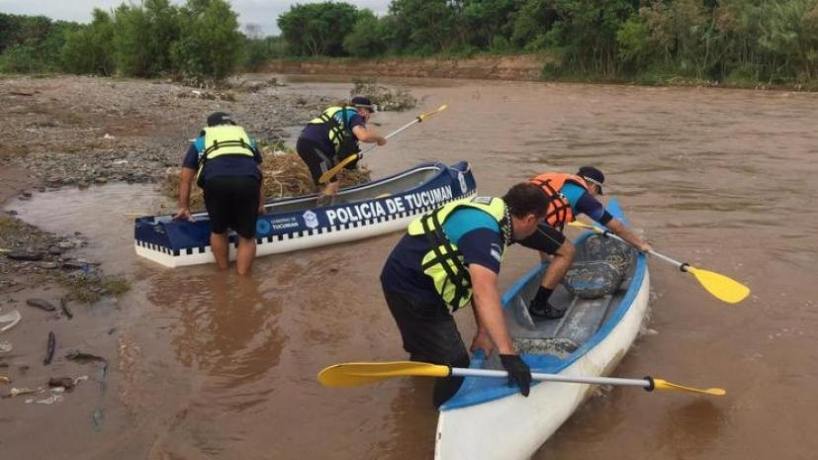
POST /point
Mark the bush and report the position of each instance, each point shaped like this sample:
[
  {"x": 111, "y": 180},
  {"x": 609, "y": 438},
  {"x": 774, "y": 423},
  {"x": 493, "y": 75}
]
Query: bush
[
  {"x": 21, "y": 59},
  {"x": 144, "y": 36},
  {"x": 318, "y": 29},
  {"x": 210, "y": 47},
  {"x": 366, "y": 39},
  {"x": 633, "y": 39},
  {"x": 89, "y": 50}
]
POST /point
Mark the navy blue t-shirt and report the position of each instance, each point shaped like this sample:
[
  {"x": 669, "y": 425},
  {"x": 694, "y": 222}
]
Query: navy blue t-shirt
[
  {"x": 320, "y": 132},
  {"x": 228, "y": 165},
  {"x": 476, "y": 235}
]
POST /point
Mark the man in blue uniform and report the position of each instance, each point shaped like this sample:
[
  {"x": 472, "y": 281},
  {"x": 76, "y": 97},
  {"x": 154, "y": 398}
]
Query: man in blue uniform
[
  {"x": 451, "y": 257},
  {"x": 568, "y": 196},
  {"x": 333, "y": 136},
  {"x": 225, "y": 162}
]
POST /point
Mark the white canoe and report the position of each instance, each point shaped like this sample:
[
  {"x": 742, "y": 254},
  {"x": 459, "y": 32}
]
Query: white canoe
[
  {"x": 487, "y": 419},
  {"x": 290, "y": 224}
]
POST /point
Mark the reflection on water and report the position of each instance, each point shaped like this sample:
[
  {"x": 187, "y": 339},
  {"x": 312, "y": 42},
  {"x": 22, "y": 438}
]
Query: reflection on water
[
  {"x": 690, "y": 429},
  {"x": 225, "y": 327},
  {"x": 224, "y": 330},
  {"x": 218, "y": 366}
]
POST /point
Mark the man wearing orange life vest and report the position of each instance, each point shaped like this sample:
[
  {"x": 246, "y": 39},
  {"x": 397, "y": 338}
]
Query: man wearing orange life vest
[{"x": 569, "y": 195}]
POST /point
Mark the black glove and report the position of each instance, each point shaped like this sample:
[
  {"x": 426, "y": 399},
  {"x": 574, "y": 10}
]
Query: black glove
[{"x": 518, "y": 372}]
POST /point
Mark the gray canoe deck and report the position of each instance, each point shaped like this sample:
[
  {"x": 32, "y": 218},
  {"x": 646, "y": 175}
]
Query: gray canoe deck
[{"x": 583, "y": 318}]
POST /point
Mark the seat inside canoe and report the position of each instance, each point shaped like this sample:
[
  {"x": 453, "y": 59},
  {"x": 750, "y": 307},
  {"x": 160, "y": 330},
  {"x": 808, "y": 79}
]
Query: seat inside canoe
[{"x": 597, "y": 281}]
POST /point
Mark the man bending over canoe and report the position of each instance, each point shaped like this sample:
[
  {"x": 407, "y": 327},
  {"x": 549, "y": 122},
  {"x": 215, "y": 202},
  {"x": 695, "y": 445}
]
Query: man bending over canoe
[
  {"x": 451, "y": 257},
  {"x": 225, "y": 162},
  {"x": 333, "y": 136},
  {"x": 568, "y": 195}
]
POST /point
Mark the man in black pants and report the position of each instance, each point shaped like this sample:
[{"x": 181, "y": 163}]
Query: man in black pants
[
  {"x": 449, "y": 258},
  {"x": 333, "y": 136},
  {"x": 225, "y": 162}
]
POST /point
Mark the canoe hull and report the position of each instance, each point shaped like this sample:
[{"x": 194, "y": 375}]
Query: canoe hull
[
  {"x": 514, "y": 427},
  {"x": 292, "y": 224},
  {"x": 486, "y": 419}
]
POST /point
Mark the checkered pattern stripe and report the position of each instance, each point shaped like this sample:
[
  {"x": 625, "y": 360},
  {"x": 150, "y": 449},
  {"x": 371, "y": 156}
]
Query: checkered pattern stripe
[{"x": 305, "y": 233}]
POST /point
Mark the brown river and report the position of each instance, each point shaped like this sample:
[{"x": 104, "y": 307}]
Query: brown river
[{"x": 208, "y": 365}]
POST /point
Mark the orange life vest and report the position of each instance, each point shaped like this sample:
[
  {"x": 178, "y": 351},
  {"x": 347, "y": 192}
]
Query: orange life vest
[{"x": 559, "y": 210}]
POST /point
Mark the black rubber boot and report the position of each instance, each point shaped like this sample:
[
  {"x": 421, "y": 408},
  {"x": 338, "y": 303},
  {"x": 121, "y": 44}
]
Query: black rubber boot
[{"x": 541, "y": 309}]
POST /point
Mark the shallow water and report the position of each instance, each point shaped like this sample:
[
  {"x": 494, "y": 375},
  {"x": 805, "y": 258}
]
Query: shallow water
[{"x": 214, "y": 366}]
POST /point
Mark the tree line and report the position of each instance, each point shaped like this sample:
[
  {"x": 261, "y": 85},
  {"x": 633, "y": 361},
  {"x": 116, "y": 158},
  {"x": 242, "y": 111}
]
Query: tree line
[
  {"x": 731, "y": 41},
  {"x": 199, "y": 40}
]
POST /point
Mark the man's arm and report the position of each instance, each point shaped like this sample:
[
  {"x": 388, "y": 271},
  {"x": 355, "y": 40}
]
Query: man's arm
[
  {"x": 621, "y": 230},
  {"x": 488, "y": 311},
  {"x": 591, "y": 207},
  {"x": 491, "y": 326},
  {"x": 185, "y": 181},
  {"x": 365, "y": 134}
]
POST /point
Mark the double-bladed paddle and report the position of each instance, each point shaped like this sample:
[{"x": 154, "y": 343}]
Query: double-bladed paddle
[
  {"x": 357, "y": 374},
  {"x": 720, "y": 286},
  {"x": 337, "y": 168}
]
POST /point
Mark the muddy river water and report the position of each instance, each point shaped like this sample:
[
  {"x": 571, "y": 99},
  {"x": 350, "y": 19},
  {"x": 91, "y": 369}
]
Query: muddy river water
[{"x": 209, "y": 365}]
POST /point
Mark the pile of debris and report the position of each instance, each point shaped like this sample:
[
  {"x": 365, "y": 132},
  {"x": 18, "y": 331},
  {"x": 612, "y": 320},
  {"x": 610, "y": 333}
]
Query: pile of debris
[
  {"x": 387, "y": 99},
  {"x": 285, "y": 175}
]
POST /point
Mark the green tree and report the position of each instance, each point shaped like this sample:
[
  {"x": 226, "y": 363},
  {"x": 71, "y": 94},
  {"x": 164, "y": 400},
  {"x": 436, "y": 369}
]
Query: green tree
[
  {"x": 165, "y": 29},
  {"x": 531, "y": 23},
  {"x": 210, "y": 46},
  {"x": 144, "y": 36},
  {"x": 488, "y": 21},
  {"x": 318, "y": 29},
  {"x": 89, "y": 50},
  {"x": 31, "y": 43},
  {"x": 131, "y": 34},
  {"x": 586, "y": 33},
  {"x": 633, "y": 39},
  {"x": 788, "y": 36},
  {"x": 428, "y": 26},
  {"x": 366, "y": 38}
]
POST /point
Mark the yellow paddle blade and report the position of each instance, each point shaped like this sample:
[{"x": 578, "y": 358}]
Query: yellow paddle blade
[
  {"x": 722, "y": 287},
  {"x": 581, "y": 224},
  {"x": 429, "y": 114},
  {"x": 659, "y": 384},
  {"x": 357, "y": 374},
  {"x": 336, "y": 169}
]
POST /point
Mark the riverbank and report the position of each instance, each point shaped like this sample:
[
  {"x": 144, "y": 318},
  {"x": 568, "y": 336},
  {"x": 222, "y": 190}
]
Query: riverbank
[
  {"x": 490, "y": 67},
  {"x": 76, "y": 131},
  {"x": 520, "y": 67},
  {"x": 62, "y": 132}
]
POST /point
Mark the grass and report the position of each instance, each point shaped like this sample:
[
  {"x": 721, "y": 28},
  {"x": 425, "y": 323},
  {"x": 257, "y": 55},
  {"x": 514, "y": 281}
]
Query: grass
[{"x": 91, "y": 288}]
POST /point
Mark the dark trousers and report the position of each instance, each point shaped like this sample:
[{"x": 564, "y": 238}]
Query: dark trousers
[
  {"x": 430, "y": 335},
  {"x": 232, "y": 202}
]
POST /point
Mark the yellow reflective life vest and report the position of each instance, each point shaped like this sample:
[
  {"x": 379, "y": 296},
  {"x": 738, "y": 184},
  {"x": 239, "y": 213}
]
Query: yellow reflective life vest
[
  {"x": 444, "y": 262},
  {"x": 223, "y": 140},
  {"x": 343, "y": 140}
]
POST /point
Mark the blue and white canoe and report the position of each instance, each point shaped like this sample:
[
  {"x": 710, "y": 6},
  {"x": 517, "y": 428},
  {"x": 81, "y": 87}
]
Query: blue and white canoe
[
  {"x": 290, "y": 224},
  {"x": 487, "y": 419}
]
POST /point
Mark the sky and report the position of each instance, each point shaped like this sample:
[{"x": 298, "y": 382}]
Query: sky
[{"x": 262, "y": 13}]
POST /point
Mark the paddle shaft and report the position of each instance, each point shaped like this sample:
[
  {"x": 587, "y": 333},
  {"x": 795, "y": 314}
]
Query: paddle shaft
[
  {"x": 417, "y": 119},
  {"x": 646, "y": 383},
  {"x": 357, "y": 374},
  {"x": 337, "y": 168}
]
